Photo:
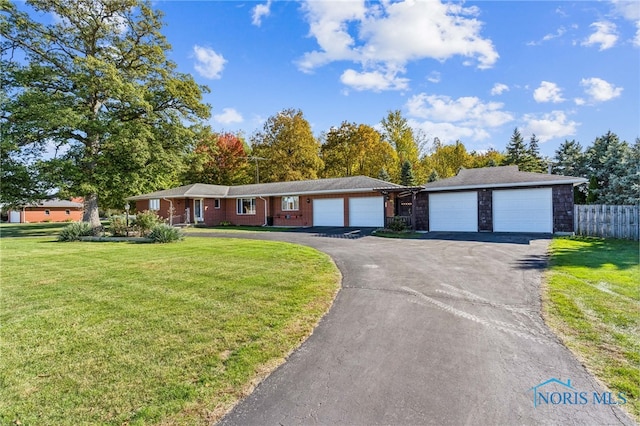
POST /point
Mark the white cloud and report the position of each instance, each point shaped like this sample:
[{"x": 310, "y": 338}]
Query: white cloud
[
  {"x": 559, "y": 33},
  {"x": 434, "y": 77},
  {"x": 499, "y": 89},
  {"x": 448, "y": 132},
  {"x": 548, "y": 92},
  {"x": 228, "y": 116},
  {"x": 579, "y": 101},
  {"x": 209, "y": 64},
  {"x": 549, "y": 125},
  {"x": 605, "y": 35},
  {"x": 373, "y": 80},
  {"x": 260, "y": 11},
  {"x": 600, "y": 90},
  {"x": 451, "y": 119},
  {"x": 385, "y": 36}
]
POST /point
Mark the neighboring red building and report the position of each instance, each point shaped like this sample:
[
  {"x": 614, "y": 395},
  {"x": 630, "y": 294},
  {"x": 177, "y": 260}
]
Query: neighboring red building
[
  {"x": 49, "y": 211},
  {"x": 350, "y": 201}
]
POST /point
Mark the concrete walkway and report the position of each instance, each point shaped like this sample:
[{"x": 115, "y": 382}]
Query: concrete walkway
[{"x": 443, "y": 331}]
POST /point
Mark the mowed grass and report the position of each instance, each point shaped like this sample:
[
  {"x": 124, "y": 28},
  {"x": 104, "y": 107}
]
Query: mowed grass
[
  {"x": 592, "y": 301},
  {"x": 95, "y": 333},
  {"x": 30, "y": 229}
]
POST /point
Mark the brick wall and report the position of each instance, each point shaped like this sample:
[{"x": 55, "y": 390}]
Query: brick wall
[
  {"x": 51, "y": 214},
  {"x": 562, "y": 208}
]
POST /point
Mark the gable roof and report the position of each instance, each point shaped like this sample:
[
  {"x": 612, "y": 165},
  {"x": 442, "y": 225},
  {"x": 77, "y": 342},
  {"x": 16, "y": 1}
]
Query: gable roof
[
  {"x": 300, "y": 187},
  {"x": 496, "y": 177},
  {"x": 56, "y": 203}
]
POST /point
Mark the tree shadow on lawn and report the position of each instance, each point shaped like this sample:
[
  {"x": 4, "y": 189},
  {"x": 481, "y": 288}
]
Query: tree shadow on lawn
[
  {"x": 46, "y": 229},
  {"x": 591, "y": 253}
]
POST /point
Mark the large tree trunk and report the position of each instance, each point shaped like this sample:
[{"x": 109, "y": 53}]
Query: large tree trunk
[{"x": 91, "y": 213}]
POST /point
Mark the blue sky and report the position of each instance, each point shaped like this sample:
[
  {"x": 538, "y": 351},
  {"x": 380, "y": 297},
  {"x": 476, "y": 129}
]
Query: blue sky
[
  {"x": 468, "y": 71},
  {"x": 471, "y": 71}
]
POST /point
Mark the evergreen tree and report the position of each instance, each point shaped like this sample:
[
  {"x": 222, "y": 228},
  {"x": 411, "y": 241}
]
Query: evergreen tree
[
  {"x": 611, "y": 162},
  {"x": 535, "y": 163},
  {"x": 517, "y": 152},
  {"x": 406, "y": 174},
  {"x": 384, "y": 175},
  {"x": 570, "y": 160},
  {"x": 433, "y": 176}
]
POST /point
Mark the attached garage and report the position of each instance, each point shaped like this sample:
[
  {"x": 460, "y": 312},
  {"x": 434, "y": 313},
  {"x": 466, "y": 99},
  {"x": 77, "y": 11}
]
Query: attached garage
[
  {"x": 453, "y": 211},
  {"x": 523, "y": 210},
  {"x": 328, "y": 212},
  {"x": 366, "y": 211}
]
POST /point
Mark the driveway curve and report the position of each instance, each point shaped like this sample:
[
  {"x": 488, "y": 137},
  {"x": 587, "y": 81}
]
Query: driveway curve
[{"x": 444, "y": 330}]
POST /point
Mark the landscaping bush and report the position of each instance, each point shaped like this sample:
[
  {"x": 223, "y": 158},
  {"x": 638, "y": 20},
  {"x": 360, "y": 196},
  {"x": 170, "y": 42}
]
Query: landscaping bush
[
  {"x": 164, "y": 233},
  {"x": 74, "y": 231},
  {"x": 397, "y": 225},
  {"x": 146, "y": 221},
  {"x": 118, "y": 226}
]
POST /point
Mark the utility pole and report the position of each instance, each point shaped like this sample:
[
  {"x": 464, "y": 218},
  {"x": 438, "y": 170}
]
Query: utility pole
[{"x": 256, "y": 159}]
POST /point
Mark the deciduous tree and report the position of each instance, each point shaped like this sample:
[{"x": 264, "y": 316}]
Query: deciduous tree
[
  {"x": 219, "y": 159},
  {"x": 290, "y": 150},
  {"x": 97, "y": 84}
]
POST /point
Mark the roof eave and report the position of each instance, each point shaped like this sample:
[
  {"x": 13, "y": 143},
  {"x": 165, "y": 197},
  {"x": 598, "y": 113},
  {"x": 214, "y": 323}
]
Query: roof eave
[{"x": 574, "y": 182}]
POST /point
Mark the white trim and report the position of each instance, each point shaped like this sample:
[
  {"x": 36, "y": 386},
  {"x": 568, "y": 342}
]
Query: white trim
[
  {"x": 255, "y": 206},
  {"x": 200, "y": 218},
  {"x": 575, "y": 182}
]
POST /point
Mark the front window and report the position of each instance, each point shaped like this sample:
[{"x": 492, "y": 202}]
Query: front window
[
  {"x": 67, "y": 212},
  {"x": 290, "y": 203},
  {"x": 154, "y": 204},
  {"x": 216, "y": 203},
  {"x": 47, "y": 212},
  {"x": 246, "y": 206}
]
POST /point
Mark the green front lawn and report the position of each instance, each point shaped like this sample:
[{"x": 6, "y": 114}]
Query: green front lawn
[
  {"x": 592, "y": 301},
  {"x": 135, "y": 334},
  {"x": 30, "y": 229}
]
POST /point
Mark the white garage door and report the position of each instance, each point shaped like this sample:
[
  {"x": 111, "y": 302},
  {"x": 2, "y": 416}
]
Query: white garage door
[
  {"x": 453, "y": 211},
  {"x": 14, "y": 216},
  {"x": 523, "y": 210},
  {"x": 328, "y": 212},
  {"x": 366, "y": 211}
]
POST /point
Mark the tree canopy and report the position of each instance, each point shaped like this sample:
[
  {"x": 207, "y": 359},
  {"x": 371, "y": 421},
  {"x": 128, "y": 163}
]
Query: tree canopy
[
  {"x": 290, "y": 150},
  {"x": 96, "y": 84}
]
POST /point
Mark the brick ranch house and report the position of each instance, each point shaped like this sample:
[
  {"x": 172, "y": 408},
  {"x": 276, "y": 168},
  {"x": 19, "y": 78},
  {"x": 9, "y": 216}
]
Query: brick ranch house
[
  {"x": 350, "y": 201},
  {"x": 491, "y": 199},
  {"x": 54, "y": 210}
]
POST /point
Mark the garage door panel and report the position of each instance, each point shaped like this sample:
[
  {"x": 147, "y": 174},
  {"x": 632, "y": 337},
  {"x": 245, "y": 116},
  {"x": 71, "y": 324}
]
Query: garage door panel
[
  {"x": 453, "y": 211},
  {"x": 523, "y": 210},
  {"x": 366, "y": 211},
  {"x": 328, "y": 212}
]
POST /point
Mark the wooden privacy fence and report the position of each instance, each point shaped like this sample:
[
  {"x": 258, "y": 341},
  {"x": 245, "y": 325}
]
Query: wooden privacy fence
[{"x": 598, "y": 220}]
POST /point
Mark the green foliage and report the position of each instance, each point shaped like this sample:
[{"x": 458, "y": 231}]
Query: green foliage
[
  {"x": 118, "y": 226},
  {"x": 406, "y": 174},
  {"x": 75, "y": 230},
  {"x": 519, "y": 154},
  {"x": 97, "y": 82},
  {"x": 615, "y": 166},
  {"x": 288, "y": 147},
  {"x": 384, "y": 175},
  {"x": 352, "y": 149},
  {"x": 164, "y": 233},
  {"x": 397, "y": 225},
  {"x": 447, "y": 160},
  {"x": 146, "y": 221},
  {"x": 433, "y": 176}
]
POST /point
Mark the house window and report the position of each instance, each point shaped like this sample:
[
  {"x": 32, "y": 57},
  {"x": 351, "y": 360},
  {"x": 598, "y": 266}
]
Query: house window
[
  {"x": 216, "y": 203},
  {"x": 154, "y": 204},
  {"x": 246, "y": 206},
  {"x": 290, "y": 203},
  {"x": 47, "y": 212},
  {"x": 67, "y": 212}
]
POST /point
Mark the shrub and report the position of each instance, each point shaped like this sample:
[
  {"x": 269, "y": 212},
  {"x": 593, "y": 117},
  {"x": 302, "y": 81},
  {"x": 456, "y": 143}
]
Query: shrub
[
  {"x": 75, "y": 230},
  {"x": 118, "y": 226},
  {"x": 397, "y": 225},
  {"x": 226, "y": 223},
  {"x": 146, "y": 221},
  {"x": 163, "y": 233}
]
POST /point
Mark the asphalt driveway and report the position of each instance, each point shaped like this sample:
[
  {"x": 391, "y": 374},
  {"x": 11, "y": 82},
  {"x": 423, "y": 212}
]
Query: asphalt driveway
[{"x": 444, "y": 330}]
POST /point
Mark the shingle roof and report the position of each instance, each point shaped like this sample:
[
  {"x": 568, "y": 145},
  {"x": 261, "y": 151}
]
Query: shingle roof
[
  {"x": 317, "y": 186},
  {"x": 56, "y": 203},
  {"x": 504, "y": 176}
]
